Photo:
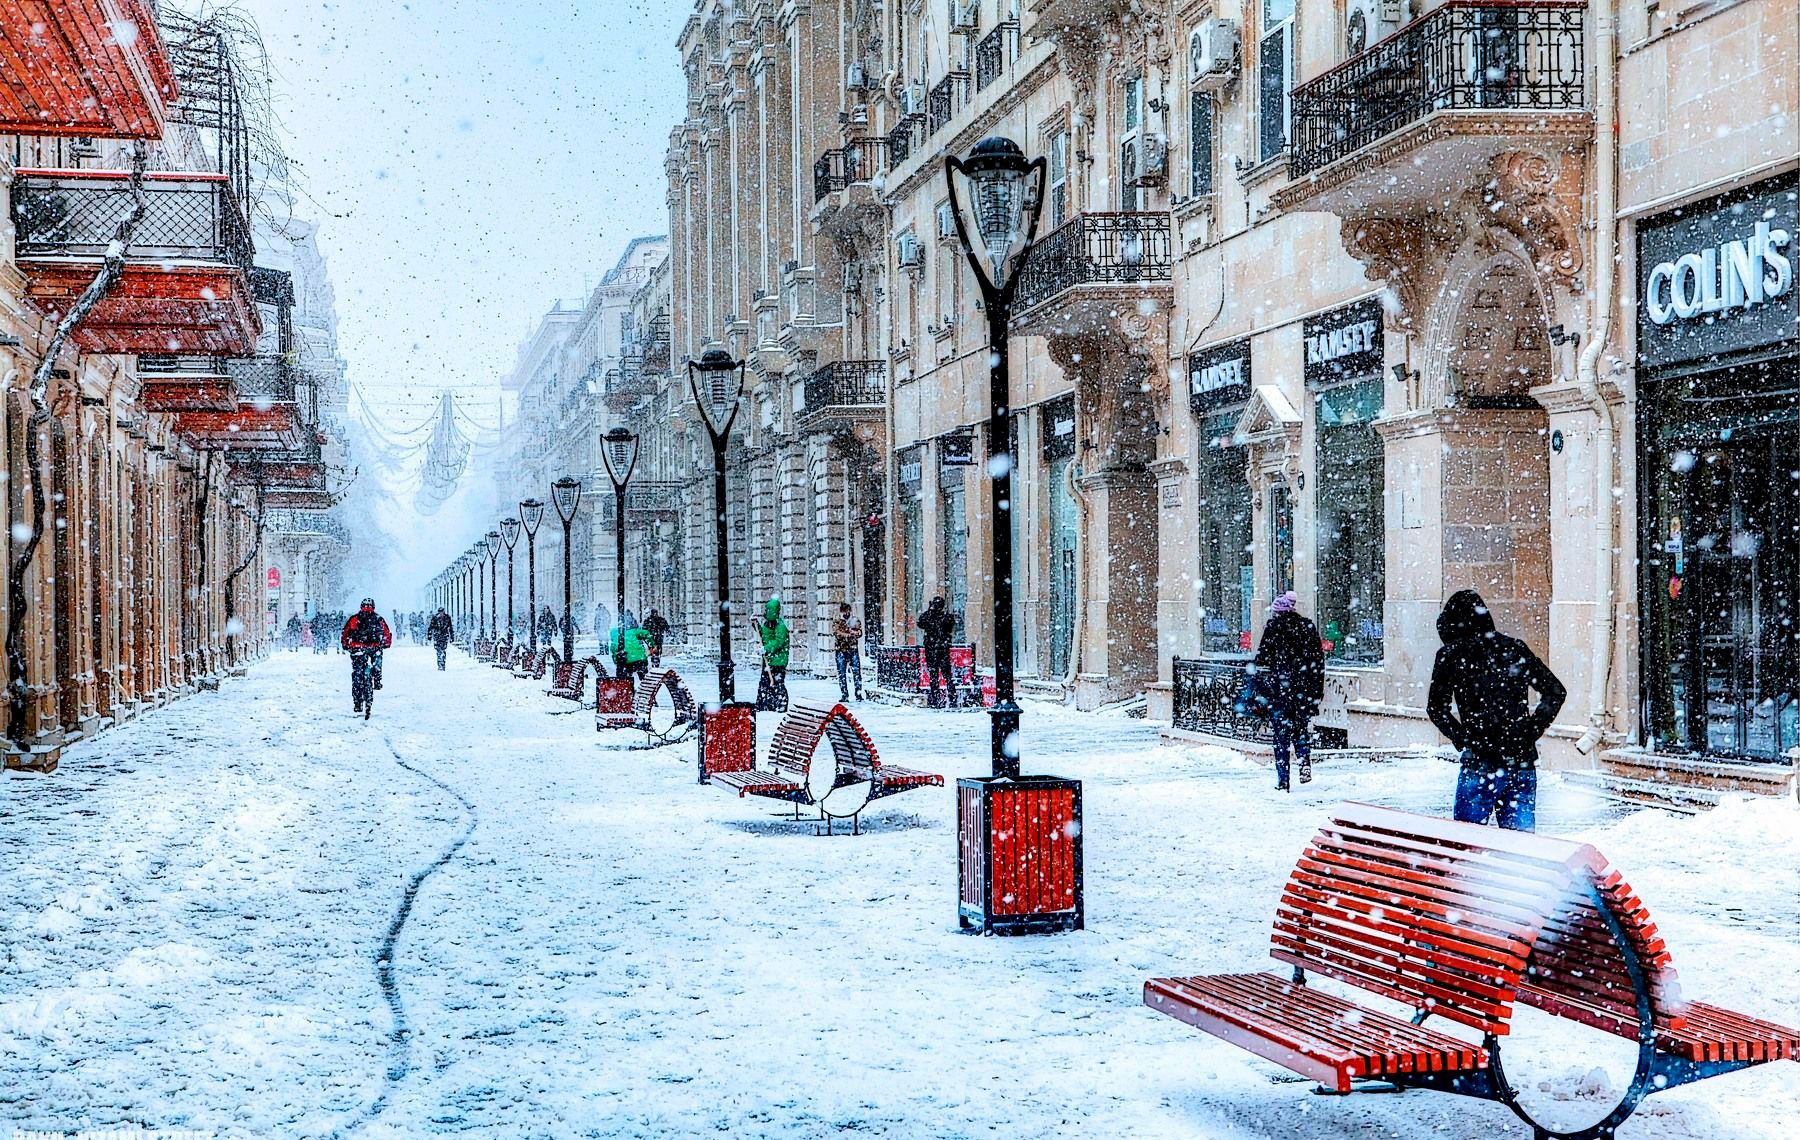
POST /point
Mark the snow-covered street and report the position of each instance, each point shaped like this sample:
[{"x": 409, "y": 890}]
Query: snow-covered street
[{"x": 200, "y": 904}]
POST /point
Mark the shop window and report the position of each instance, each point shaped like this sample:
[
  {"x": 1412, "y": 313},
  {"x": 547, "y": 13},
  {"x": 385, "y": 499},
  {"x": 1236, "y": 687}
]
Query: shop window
[
  {"x": 953, "y": 515},
  {"x": 1351, "y": 556},
  {"x": 1227, "y": 578},
  {"x": 1274, "y": 77},
  {"x": 912, "y": 534},
  {"x": 1281, "y": 540}
]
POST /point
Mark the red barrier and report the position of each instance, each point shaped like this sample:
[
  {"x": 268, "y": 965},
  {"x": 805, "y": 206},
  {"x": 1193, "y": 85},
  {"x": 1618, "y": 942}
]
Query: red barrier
[
  {"x": 612, "y": 703},
  {"x": 727, "y": 738}
]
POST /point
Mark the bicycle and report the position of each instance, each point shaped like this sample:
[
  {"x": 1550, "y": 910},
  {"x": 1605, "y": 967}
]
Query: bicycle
[{"x": 362, "y": 680}]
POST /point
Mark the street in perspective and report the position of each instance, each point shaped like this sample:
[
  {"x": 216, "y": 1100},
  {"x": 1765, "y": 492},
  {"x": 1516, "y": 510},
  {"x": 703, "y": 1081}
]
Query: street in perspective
[{"x": 961, "y": 568}]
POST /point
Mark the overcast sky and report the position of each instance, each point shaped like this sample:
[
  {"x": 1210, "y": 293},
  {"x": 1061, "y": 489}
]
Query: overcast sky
[{"x": 471, "y": 161}]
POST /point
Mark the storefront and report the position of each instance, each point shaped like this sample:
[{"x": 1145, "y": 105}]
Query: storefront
[
  {"x": 956, "y": 454},
  {"x": 1718, "y": 408},
  {"x": 910, "y": 501},
  {"x": 1343, "y": 369},
  {"x": 1056, "y": 428},
  {"x": 1219, "y": 381}
]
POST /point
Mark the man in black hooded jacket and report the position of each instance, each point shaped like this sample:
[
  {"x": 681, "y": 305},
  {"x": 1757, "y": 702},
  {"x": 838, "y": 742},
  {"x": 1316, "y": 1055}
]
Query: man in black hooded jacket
[{"x": 1488, "y": 677}]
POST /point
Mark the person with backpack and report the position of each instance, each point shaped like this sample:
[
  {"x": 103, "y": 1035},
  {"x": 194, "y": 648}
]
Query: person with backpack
[
  {"x": 442, "y": 633},
  {"x": 772, "y": 631},
  {"x": 938, "y": 625},
  {"x": 657, "y": 626},
  {"x": 1480, "y": 690},
  {"x": 365, "y": 635},
  {"x": 846, "y": 640},
  {"x": 1288, "y": 681}
]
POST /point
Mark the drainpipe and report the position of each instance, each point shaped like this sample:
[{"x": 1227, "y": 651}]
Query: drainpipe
[{"x": 1606, "y": 241}]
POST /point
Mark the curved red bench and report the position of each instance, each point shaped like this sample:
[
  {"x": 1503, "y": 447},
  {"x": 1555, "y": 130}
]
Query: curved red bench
[
  {"x": 855, "y": 778},
  {"x": 570, "y": 680},
  {"x": 1463, "y": 922},
  {"x": 644, "y": 704}
]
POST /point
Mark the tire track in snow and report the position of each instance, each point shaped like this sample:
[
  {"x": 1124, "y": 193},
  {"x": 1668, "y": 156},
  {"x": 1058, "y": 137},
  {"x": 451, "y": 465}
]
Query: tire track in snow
[{"x": 400, "y": 1037}]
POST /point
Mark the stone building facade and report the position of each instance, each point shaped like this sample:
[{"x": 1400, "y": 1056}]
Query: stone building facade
[{"x": 172, "y": 418}]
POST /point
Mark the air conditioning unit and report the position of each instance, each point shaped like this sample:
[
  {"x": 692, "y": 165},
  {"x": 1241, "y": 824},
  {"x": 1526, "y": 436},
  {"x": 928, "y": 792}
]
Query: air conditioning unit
[
  {"x": 1213, "y": 55},
  {"x": 965, "y": 18},
  {"x": 912, "y": 99},
  {"x": 907, "y": 251},
  {"x": 946, "y": 221},
  {"x": 858, "y": 78},
  {"x": 1152, "y": 163},
  {"x": 1368, "y": 22}
]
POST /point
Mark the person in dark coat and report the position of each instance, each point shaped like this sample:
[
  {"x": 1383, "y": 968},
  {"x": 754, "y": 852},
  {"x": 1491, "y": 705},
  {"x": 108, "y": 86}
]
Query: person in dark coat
[
  {"x": 658, "y": 628},
  {"x": 441, "y": 633},
  {"x": 938, "y": 625},
  {"x": 1289, "y": 679},
  {"x": 1480, "y": 691},
  {"x": 293, "y": 633},
  {"x": 546, "y": 626}
]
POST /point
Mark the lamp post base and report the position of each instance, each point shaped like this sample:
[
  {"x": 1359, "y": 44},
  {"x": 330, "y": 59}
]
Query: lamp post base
[{"x": 1019, "y": 842}]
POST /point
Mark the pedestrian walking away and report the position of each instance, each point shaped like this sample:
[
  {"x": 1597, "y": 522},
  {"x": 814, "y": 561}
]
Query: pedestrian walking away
[
  {"x": 658, "y": 628},
  {"x": 846, "y": 639},
  {"x": 441, "y": 633},
  {"x": 938, "y": 625},
  {"x": 1287, "y": 682},
  {"x": 365, "y": 635},
  {"x": 771, "y": 691},
  {"x": 1480, "y": 700}
]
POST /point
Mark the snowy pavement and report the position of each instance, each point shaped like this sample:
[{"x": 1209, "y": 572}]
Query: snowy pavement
[{"x": 198, "y": 910}]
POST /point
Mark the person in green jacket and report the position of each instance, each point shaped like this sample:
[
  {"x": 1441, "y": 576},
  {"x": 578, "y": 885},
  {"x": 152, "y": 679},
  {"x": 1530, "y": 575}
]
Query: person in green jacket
[
  {"x": 772, "y": 693},
  {"x": 630, "y": 646}
]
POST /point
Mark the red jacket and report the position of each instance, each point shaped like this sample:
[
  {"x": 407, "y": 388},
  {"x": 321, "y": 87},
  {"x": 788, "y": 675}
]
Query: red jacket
[{"x": 366, "y": 631}]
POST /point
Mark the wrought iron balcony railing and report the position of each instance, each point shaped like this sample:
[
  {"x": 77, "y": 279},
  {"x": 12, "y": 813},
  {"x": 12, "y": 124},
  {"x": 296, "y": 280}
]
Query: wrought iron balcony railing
[
  {"x": 842, "y": 389},
  {"x": 75, "y": 213},
  {"x": 856, "y": 161},
  {"x": 1527, "y": 55},
  {"x": 903, "y": 140},
  {"x": 1098, "y": 249},
  {"x": 945, "y": 100},
  {"x": 165, "y": 365},
  {"x": 263, "y": 378},
  {"x": 992, "y": 53}
]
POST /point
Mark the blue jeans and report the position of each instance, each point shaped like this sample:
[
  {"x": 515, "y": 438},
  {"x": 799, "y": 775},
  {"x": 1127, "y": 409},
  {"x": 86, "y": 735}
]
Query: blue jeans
[
  {"x": 1507, "y": 795},
  {"x": 849, "y": 661},
  {"x": 1292, "y": 730}
]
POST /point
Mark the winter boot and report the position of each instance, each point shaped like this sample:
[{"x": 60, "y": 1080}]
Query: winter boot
[{"x": 1306, "y": 770}]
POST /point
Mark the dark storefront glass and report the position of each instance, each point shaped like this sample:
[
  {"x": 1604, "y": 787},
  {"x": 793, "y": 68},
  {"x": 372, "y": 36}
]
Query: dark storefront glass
[
  {"x": 1058, "y": 428},
  {"x": 1227, "y": 580},
  {"x": 912, "y": 536},
  {"x": 1719, "y": 475},
  {"x": 1351, "y": 526}
]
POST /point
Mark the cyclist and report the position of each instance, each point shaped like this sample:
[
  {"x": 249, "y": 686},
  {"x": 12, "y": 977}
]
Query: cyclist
[{"x": 365, "y": 635}]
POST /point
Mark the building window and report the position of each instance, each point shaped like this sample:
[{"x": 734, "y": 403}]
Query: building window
[
  {"x": 1200, "y": 144},
  {"x": 953, "y": 519},
  {"x": 912, "y": 536},
  {"x": 1059, "y": 179},
  {"x": 1274, "y": 76},
  {"x": 1131, "y": 143},
  {"x": 1227, "y": 581},
  {"x": 1351, "y": 556}
]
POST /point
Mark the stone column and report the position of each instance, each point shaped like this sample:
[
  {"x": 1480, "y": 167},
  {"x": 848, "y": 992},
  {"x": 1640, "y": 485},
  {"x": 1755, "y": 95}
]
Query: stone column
[{"x": 1177, "y": 629}]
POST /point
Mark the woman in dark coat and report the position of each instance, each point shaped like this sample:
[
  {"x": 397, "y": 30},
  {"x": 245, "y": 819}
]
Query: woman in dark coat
[{"x": 1289, "y": 677}]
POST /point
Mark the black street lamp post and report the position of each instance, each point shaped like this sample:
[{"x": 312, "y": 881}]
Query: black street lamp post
[
  {"x": 717, "y": 381},
  {"x": 566, "y": 494},
  {"x": 491, "y": 547},
  {"x": 619, "y": 451},
  {"x": 531, "y": 513},
  {"x": 1035, "y": 886},
  {"x": 509, "y": 534}
]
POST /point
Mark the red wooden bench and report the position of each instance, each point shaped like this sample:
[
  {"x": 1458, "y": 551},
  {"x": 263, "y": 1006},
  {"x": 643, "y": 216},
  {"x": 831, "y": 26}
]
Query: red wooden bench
[
  {"x": 503, "y": 655},
  {"x": 532, "y": 665},
  {"x": 570, "y": 680},
  {"x": 1462, "y": 922},
  {"x": 664, "y": 725},
  {"x": 841, "y": 789}
]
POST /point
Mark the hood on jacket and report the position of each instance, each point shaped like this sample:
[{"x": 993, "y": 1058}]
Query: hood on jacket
[
  {"x": 772, "y": 610},
  {"x": 1464, "y": 615}
]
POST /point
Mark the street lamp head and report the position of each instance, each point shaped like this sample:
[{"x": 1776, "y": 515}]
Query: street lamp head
[
  {"x": 619, "y": 451},
  {"x": 1005, "y": 193},
  {"x": 491, "y": 545},
  {"x": 509, "y": 532},
  {"x": 717, "y": 379},
  {"x": 531, "y": 513},
  {"x": 566, "y": 494}
]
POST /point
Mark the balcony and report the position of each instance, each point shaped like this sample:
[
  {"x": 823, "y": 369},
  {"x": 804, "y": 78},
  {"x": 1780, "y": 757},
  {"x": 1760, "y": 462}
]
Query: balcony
[
  {"x": 169, "y": 383},
  {"x": 945, "y": 100},
  {"x": 841, "y": 394},
  {"x": 856, "y": 162},
  {"x": 995, "y": 50},
  {"x": 655, "y": 346},
  {"x": 276, "y": 428},
  {"x": 625, "y": 386},
  {"x": 301, "y": 469},
  {"x": 186, "y": 285},
  {"x": 1085, "y": 272},
  {"x": 72, "y": 68},
  {"x": 262, "y": 381},
  {"x": 1408, "y": 119},
  {"x": 904, "y": 139}
]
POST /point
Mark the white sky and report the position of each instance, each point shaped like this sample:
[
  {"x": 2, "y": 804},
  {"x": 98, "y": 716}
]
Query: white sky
[{"x": 470, "y": 162}]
